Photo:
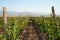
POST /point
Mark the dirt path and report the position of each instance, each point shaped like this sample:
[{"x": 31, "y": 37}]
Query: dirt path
[{"x": 31, "y": 32}]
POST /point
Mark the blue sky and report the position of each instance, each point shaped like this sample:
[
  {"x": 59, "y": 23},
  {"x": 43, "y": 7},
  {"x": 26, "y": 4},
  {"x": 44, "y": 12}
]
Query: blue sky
[{"x": 30, "y": 5}]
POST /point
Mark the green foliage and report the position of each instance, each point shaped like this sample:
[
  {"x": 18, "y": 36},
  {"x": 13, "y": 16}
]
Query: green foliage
[
  {"x": 16, "y": 24},
  {"x": 46, "y": 24},
  {"x": 1, "y": 22}
]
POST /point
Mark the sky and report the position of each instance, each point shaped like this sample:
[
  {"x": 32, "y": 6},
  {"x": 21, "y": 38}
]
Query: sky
[{"x": 30, "y": 5}]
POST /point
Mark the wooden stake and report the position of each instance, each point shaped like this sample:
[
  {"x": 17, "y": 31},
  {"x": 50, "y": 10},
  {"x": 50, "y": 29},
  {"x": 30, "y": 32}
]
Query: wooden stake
[
  {"x": 5, "y": 18},
  {"x": 53, "y": 12},
  {"x": 55, "y": 31}
]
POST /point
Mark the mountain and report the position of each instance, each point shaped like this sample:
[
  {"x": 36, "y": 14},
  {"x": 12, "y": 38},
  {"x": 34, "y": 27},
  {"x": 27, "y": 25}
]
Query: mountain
[
  {"x": 25, "y": 13},
  {"x": 9, "y": 13}
]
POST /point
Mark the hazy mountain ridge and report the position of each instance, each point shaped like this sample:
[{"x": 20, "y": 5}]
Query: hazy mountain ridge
[{"x": 25, "y": 13}]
